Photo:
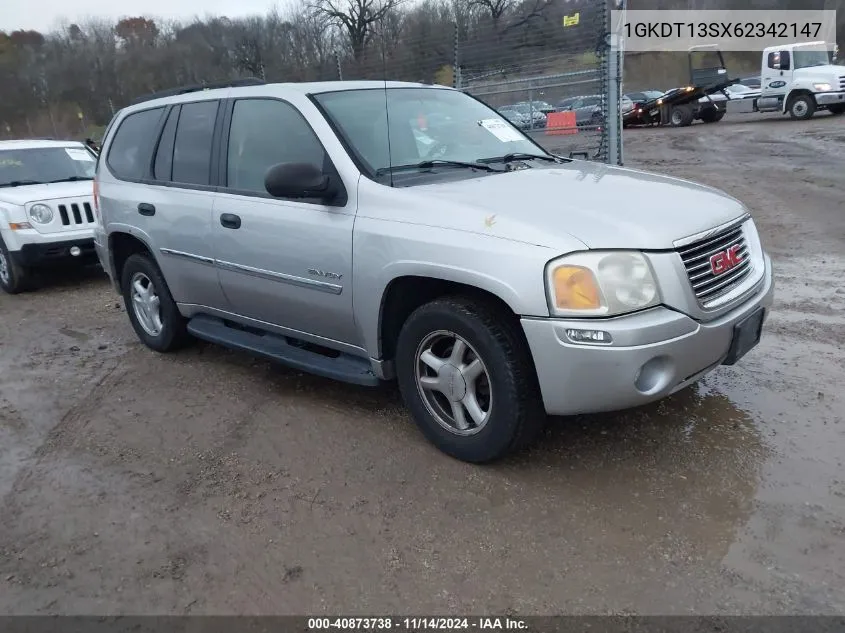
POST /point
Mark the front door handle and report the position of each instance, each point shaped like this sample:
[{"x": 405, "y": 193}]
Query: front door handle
[
  {"x": 146, "y": 209},
  {"x": 230, "y": 220}
]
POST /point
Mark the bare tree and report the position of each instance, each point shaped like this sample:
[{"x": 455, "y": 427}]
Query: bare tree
[{"x": 357, "y": 18}]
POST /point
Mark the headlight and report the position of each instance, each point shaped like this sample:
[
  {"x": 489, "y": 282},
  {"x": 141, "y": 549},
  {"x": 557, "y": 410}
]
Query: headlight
[
  {"x": 600, "y": 283},
  {"x": 822, "y": 87},
  {"x": 41, "y": 213}
]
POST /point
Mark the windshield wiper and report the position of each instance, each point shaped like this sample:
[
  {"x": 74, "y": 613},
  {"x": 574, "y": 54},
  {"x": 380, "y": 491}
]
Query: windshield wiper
[
  {"x": 509, "y": 158},
  {"x": 21, "y": 183},
  {"x": 69, "y": 179},
  {"x": 428, "y": 164}
]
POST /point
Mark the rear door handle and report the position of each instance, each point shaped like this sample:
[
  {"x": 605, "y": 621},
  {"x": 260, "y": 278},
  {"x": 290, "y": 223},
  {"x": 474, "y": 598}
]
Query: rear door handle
[
  {"x": 146, "y": 209},
  {"x": 230, "y": 220}
]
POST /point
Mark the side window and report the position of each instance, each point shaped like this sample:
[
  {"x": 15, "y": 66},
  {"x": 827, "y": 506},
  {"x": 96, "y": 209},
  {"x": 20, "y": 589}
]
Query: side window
[
  {"x": 192, "y": 146},
  {"x": 784, "y": 60},
  {"x": 127, "y": 157},
  {"x": 265, "y": 132},
  {"x": 163, "y": 166}
]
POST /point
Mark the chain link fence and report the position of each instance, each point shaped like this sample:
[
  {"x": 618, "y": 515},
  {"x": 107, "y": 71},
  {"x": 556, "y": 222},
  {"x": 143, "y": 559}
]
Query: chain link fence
[{"x": 553, "y": 82}]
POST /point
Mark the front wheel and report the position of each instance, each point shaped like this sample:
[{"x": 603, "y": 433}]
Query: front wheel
[
  {"x": 467, "y": 376},
  {"x": 802, "y": 107},
  {"x": 13, "y": 278},
  {"x": 152, "y": 310}
]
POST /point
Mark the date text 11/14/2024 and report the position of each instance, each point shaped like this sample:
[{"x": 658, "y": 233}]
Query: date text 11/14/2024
[{"x": 385, "y": 623}]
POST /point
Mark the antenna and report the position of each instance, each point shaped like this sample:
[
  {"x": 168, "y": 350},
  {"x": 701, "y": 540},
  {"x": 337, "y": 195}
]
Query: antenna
[{"x": 386, "y": 108}]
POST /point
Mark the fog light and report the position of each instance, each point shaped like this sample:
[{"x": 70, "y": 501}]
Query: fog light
[
  {"x": 595, "y": 337},
  {"x": 75, "y": 251}
]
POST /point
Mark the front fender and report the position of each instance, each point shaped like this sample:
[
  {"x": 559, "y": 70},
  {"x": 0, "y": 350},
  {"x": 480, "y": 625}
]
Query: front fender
[
  {"x": 385, "y": 251},
  {"x": 10, "y": 213},
  {"x": 796, "y": 88}
]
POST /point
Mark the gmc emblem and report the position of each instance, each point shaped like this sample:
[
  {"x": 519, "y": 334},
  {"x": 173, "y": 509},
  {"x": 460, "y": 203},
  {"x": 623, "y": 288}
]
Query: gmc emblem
[{"x": 723, "y": 261}]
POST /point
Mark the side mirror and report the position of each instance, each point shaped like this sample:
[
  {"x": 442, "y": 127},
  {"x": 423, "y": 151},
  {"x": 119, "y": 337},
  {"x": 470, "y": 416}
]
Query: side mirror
[{"x": 299, "y": 180}]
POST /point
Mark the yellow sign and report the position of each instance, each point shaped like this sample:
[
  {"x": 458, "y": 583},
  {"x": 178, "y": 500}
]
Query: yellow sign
[{"x": 571, "y": 20}]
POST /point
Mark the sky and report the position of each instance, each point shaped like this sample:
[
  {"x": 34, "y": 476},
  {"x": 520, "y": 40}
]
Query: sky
[{"x": 47, "y": 15}]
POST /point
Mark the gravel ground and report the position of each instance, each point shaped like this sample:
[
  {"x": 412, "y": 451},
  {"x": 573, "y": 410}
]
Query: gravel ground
[{"x": 209, "y": 482}]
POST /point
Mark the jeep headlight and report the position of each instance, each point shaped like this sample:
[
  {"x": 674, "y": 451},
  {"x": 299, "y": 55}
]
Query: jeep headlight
[
  {"x": 822, "y": 87},
  {"x": 41, "y": 214},
  {"x": 600, "y": 283}
]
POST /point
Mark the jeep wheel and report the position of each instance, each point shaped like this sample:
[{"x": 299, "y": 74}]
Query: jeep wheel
[
  {"x": 468, "y": 379},
  {"x": 802, "y": 107},
  {"x": 13, "y": 278},
  {"x": 681, "y": 116},
  {"x": 151, "y": 309}
]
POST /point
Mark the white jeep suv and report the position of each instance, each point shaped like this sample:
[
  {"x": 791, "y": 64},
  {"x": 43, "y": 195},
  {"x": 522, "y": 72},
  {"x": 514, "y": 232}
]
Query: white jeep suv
[{"x": 47, "y": 215}]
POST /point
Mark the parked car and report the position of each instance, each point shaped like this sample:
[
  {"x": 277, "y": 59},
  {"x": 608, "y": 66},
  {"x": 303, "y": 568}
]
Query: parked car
[
  {"x": 587, "y": 110},
  {"x": 639, "y": 99},
  {"x": 542, "y": 106},
  {"x": 46, "y": 213},
  {"x": 741, "y": 91},
  {"x": 496, "y": 283},
  {"x": 755, "y": 83},
  {"x": 520, "y": 120},
  {"x": 537, "y": 118},
  {"x": 564, "y": 104}
]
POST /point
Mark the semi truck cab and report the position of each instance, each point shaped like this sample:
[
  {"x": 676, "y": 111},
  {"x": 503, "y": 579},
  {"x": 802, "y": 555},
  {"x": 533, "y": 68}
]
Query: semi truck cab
[{"x": 798, "y": 79}]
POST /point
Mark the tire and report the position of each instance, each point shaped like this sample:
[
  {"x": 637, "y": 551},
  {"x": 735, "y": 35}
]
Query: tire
[
  {"x": 838, "y": 108},
  {"x": 13, "y": 277},
  {"x": 711, "y": 115},
  {"x": 162, "y": 329},
  {"x": 802, "y": 107},
  {"x": 505, "y": 383},
  {"x": 681, "y": 116}
]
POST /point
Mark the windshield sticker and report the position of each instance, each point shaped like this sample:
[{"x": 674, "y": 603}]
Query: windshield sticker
[
  {"x": 79, "y": 154},
  {"x": 501, "y": 130}
]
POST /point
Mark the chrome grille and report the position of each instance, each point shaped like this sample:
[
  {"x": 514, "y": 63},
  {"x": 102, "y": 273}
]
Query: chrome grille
[
  {"x": 76, "y": 214},
  {"x": 842, "y": 82},
  {"x": 706, "y": 285}
]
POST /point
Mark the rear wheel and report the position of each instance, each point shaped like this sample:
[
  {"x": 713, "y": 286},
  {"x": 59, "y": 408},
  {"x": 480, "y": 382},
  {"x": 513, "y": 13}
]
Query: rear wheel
[
  {"x": 711, "y": 115},
  {"x": 802, "y": 107},
  {"x": 681, "y": 116},
  {"x": 151, "y": 309},
  {"x": 467, "y": 377},
  {"x": 13, "y": 278}
]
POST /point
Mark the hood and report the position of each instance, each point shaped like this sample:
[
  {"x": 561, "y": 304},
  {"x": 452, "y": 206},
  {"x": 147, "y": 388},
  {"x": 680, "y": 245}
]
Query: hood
[
  {"x": 600, "y": 206},
  {"x": 826, "y": 74},
  {"x": 41, "y": 193}
]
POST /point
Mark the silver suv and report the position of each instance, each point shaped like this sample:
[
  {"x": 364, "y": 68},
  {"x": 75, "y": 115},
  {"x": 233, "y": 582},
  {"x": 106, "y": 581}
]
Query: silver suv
[{"x": 371, "y": 231}]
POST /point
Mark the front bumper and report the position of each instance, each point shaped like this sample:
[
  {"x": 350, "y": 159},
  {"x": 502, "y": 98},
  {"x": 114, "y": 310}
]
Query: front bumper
[
  {"x": 37, "y": 254},
  {"x": 654, "y": 354},
  {"x": 830, "y": 98}
]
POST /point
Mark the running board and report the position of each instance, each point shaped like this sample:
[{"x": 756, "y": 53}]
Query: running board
[{"x": 344, "y": 367}]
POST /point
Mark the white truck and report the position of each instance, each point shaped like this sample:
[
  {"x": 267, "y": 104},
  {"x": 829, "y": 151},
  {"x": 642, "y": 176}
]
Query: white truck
[{"x": 798, "y": 79}]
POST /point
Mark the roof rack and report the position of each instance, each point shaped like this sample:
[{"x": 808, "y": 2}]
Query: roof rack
[{"x": 172, "y": 92}]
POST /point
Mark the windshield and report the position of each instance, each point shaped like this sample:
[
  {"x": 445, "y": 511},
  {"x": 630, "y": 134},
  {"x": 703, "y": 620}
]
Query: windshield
[
  {"x": 44, "y": 164},
  {"x": 425, "y": 124},
  {"x": 810, "y": 56}
]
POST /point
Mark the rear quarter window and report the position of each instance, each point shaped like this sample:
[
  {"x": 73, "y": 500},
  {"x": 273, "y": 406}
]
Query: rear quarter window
[{"x": 129, "y": 154}]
